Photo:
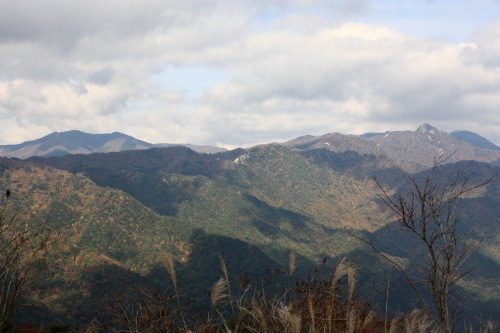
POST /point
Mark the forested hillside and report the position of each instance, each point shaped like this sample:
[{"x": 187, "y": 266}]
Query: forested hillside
[{"x": 120, "y": 213}]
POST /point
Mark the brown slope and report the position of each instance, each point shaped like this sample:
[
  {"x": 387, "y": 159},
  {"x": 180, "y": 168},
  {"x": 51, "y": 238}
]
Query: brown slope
[
  {"x": 417, "y": 150},
  {"x": 336, "y": 142}
]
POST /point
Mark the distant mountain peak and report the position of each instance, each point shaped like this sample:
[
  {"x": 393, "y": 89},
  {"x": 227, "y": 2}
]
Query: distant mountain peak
[
  {"x": 424, "y": 128},
  {"x": 417, "y": 150}
]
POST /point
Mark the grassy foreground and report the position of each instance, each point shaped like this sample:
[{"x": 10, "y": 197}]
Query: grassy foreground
[{"x": 320, "y": 303}]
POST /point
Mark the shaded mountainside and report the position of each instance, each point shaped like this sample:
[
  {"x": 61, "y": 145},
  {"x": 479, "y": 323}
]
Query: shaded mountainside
[
  {"x": 176, "y": 159},
  {"x": 123, "y": 210},
  {"x": 267, "y": 195},
  {"x": 111, "y": 243},
  {"x": 167, "y": 179}
]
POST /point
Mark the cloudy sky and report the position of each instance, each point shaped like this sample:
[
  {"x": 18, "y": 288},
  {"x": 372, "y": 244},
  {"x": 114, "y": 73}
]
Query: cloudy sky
[{"x": 238, "y": 73}]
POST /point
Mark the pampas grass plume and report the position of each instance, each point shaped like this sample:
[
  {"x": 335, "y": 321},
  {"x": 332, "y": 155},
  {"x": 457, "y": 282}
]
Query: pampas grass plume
[
  {"x": 168, "y": 262},
  {"x": 218, "y": 292}
]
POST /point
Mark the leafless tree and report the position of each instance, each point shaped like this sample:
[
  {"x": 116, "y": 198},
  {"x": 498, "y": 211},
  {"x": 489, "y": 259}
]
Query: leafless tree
[
  {"x": 23, "y": 252},
  {"x": 428, "y": 211}
]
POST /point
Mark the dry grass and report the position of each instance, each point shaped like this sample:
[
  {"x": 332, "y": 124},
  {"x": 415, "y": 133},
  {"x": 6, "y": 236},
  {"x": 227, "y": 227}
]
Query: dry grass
[
  {"x": 218, "y": 293},
  {"x": 168, "y": 262},
  {"x": 314, "y": 305}
]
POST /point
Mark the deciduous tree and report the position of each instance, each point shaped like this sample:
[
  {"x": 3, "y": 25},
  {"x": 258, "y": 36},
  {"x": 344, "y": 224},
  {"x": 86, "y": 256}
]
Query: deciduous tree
[{"x": 429, "y": 212}]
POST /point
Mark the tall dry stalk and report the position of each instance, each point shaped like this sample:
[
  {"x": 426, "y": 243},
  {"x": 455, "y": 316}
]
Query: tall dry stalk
[
  {"x": 351, "y": 320},
  {"x": 488, "y": 326},
  {"x": 292, "y": 263},
  {"x": 369, "y": 320},
  {"x": 168, "y": 262},
  {"x": 340, "y": 271},
  {"x": 218, "y": 294},
  {"x": 351, "y": 280},
  {"x": 394, "y": 324},
  {"x": 226, "y": 276},
  {"x": 289, "y": 319},
  {"x": 387, "y": 299},
  {"x": 258, "y": 315},
  {"x": 310, "y": 307},
  {"x": 347, "y": 269}
]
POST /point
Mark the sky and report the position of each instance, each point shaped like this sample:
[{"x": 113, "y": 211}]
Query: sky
[{"x": 240, "y": 73}]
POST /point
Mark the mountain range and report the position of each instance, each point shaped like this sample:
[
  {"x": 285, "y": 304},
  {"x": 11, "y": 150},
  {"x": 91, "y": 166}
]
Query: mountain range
[
  {"x": 429, "y": 141},
  {"x": 467, "y": 136},
  {"x": 121, "y": 210},
  {"x": 77, "y": 142},
  {"x": 411, "y": 150},
  {"x": 417, "y": 150}
]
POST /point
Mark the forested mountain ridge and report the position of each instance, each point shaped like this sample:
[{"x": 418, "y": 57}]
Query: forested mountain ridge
[
  {"x": 266, "y": 172},
  {"x": 315, "y": 182},
  {"x": 121, "y": 211},
  {"x": 110, "y": 243}
]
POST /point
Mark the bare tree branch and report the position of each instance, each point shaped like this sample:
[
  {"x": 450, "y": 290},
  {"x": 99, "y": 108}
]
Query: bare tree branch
[{"x": 428, "y": 211}]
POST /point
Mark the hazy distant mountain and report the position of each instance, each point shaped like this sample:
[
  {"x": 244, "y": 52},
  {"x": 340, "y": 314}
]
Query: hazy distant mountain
[
  {"x": 416, "y": 150},
  {"x": 475, "y": 139},
  {"x": 76, "y": 142},
  {"x": 371, "y": 134},
  {"x": 197, "y": 148},
  {"x": 73, "y": 142}
]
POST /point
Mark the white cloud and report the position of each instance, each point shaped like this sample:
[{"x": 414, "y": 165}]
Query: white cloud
[
  {"x": 485, "y": 48},
  {"x": 280, "y": 69},
  {"x": 397, "y": 78}
]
